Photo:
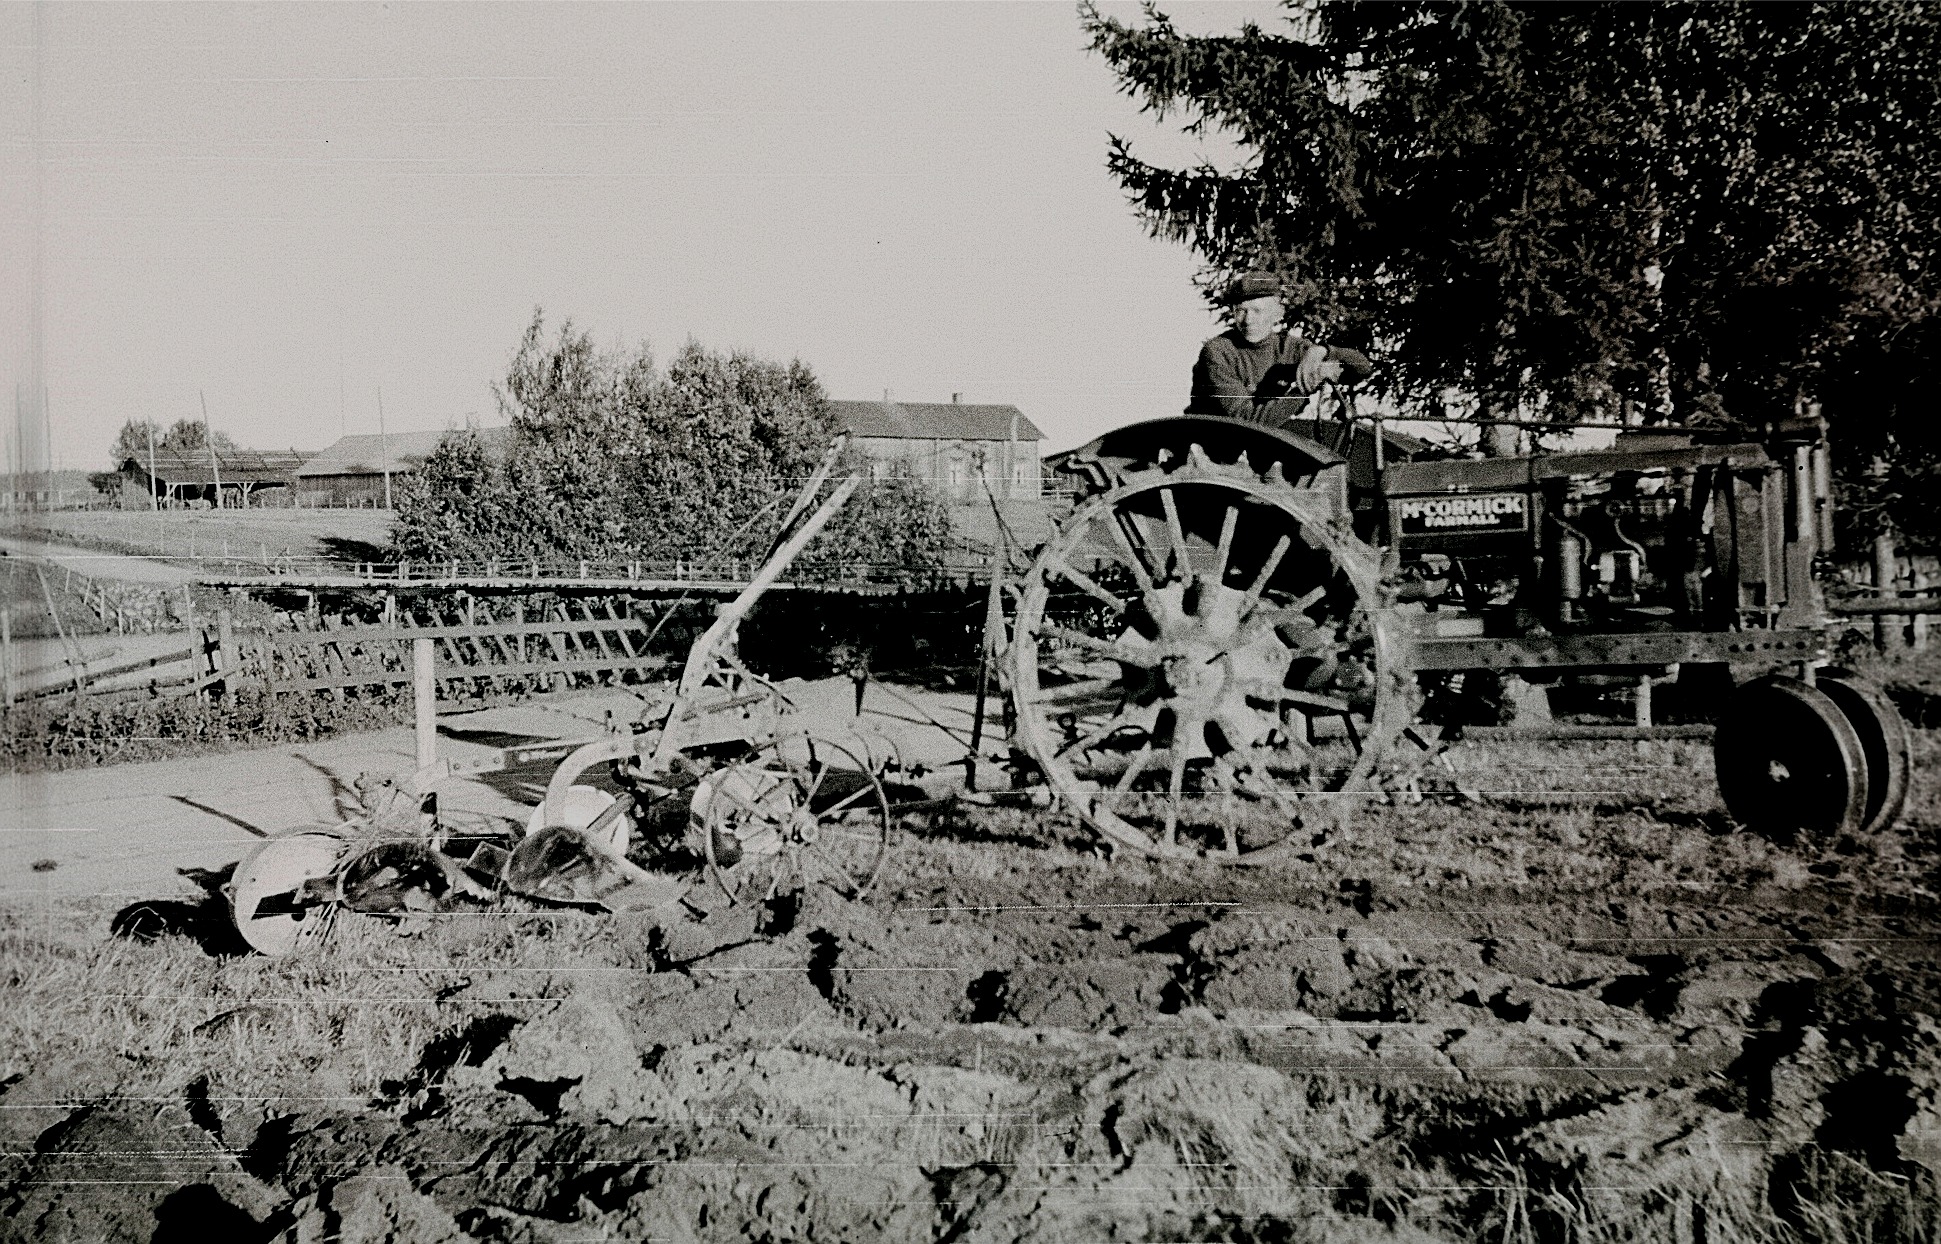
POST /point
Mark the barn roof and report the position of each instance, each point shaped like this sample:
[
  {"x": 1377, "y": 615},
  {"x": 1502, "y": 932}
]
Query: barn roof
[
  {"x": 236, "y": 466},
  {"x": 935, "y": 421},
  {"x": 374, "y": 455}
]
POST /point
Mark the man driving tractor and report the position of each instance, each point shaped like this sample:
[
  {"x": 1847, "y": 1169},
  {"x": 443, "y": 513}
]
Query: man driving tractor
[{"x": 1259, "y": 371}]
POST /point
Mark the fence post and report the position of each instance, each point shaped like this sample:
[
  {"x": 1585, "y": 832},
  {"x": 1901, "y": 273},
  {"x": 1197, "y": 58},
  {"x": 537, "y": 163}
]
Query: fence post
[
  {"x": 1918, "y": 628},
  {"x": 225, "y": 648},
  {"x": 424, "y": 693},
  {"x": 6, "y": 651},
  {"x": 1887, "y": 626}
]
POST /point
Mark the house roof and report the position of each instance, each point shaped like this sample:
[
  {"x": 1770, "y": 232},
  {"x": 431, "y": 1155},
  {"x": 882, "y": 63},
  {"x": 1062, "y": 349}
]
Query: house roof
[
  {"x": 935, "y": 421},
  {"x": 235, "y": 466},
  {"x": 374, "y": 455}
]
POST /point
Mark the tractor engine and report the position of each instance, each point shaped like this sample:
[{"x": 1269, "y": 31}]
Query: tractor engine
[
  {"x": 1599, "y": 552},
  {"x": 1624, "y": 548},
  {"x": 1659, "y": 535}
]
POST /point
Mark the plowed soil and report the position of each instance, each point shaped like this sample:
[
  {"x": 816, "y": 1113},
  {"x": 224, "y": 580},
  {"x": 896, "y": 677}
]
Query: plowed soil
[{"x": 1570, "y": 1003}]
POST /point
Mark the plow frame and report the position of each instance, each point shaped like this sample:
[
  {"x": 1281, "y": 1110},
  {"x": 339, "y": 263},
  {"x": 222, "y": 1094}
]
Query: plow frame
[{"x": 718, "y": 705}]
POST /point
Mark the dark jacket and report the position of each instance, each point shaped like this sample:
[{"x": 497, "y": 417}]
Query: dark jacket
[{"x": 1266, "y": 383}]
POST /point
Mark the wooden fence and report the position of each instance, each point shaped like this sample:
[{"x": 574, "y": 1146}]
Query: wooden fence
[
  {"x": 574, "y": 642},
  {"x": 479, "y": 648},
  {"x": 1906, "y": 582}
]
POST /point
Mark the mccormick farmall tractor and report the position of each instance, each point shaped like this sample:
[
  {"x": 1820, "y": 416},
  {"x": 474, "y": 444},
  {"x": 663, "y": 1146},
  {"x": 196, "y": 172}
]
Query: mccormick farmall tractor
[
  {"x": 1230, "y": 641},
  {"x": 1228, "y": 646}
]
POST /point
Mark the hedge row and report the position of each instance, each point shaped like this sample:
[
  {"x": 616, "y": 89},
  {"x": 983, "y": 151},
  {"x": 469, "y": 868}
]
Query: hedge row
[{"x": 67, "y": 733}]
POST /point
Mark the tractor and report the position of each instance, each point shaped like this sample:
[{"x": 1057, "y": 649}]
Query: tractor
[
  {"x": 1237, "y": 636},
  {"x": 1240, "y": 631}
]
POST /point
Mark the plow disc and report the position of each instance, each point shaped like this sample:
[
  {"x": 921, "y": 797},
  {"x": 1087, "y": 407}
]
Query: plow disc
[{"x": 270, "y": 895}]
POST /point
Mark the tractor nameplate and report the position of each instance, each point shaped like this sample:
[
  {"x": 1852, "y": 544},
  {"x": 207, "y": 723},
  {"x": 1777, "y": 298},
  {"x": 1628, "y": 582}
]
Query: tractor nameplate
[{"x": 1465, "y": 512}]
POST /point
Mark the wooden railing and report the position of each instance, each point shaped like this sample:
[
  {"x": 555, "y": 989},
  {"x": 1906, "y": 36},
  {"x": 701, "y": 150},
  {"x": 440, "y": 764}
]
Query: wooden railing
[{"x": 568, "y": 643}]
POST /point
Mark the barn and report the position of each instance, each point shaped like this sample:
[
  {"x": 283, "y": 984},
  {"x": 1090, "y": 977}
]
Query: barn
[{"x": 363, "y": 471}]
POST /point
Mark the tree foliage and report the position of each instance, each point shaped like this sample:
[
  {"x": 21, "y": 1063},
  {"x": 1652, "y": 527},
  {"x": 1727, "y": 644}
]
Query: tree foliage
[
  {"x": 1685, "y": 211},
  {"x": 894, "y": 521},
  {"x": 185, "y": 436},
  {"x": 612, "y": 457}
]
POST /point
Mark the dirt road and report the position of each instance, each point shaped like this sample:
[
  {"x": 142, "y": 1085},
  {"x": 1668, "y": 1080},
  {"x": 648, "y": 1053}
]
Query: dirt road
[{"x": 99, "y": 565}]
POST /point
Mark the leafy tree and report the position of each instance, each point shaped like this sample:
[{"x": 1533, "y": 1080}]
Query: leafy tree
[
  {"x": 186, "y": 436},
  {"x": 729, "y": 434},
  {"x": 132, "y": 441},
  {"x": 611, "y": 457},
  {"x": 895, "y": 520},
  {"x": 459, "y": 504},
  {"x": 1678, "y": 210}
]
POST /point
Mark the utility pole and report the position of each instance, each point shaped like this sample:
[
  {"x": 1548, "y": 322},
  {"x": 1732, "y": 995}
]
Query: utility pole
[
  {"x": 384, "y": 446},
  {"x": 32, "y": 450},
  {"x": 209, "y": 439},
  {"x": 154, "y": 502}
]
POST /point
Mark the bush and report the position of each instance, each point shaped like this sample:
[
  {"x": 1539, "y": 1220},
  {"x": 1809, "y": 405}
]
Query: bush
[
  {"x": 66, "y": 733},
  {"x": 611, "y": 458}
]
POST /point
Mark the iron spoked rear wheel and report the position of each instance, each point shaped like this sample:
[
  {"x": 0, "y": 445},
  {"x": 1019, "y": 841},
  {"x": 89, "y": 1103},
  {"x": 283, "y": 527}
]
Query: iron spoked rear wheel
[
  {"x": 793, "y": 813},
  {"x": 1196, "y": 664}
]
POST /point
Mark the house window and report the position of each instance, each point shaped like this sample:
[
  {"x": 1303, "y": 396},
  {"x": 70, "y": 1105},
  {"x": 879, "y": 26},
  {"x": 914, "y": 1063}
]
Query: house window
[{"x": 879, "y": 470}]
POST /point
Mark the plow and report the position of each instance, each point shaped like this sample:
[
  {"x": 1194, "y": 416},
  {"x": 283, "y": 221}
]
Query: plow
[{"x": 1239, "y": 637}]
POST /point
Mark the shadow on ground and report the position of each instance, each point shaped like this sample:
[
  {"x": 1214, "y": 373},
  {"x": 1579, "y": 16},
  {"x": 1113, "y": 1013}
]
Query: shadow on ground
[{"x": 205, "y": 920}]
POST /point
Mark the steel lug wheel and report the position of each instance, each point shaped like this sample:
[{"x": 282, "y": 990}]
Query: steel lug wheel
[
  {"x": 1788, "y": 759},
  {"x": 1884, "y": 741},
  {"x": 1197, "y": 663}
]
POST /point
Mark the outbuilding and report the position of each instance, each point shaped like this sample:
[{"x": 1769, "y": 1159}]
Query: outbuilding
[
  {"x": 223, "y": 478},
  {"x": 364, "y": 471}
]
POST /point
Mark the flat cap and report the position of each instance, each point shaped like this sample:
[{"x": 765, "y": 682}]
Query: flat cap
[{"x": 1253, "y": 285}]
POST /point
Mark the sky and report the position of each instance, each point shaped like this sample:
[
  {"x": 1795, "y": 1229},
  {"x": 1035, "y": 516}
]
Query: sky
[{"x": 298, "y": 213}]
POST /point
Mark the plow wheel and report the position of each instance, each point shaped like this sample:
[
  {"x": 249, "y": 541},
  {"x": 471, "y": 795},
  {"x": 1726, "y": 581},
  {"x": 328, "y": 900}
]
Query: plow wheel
[
  {"x": 791, "y": 814},
  {"x": 1195, "y": 664}
]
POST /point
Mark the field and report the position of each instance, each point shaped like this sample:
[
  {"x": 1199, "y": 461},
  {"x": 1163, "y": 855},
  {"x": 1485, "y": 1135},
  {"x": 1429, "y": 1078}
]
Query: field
[
  {"x": 1570, "y": 1004},
  {"x": 195, "y": 535}
]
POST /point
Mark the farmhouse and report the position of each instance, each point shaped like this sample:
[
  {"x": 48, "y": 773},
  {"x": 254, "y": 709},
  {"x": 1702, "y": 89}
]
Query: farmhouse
[
  {"x": 961, "y": 448},
  {"x": 364, "y": 470},
  {"x": 982, "y": 459},
  {"x": 226, "y": 478}
]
